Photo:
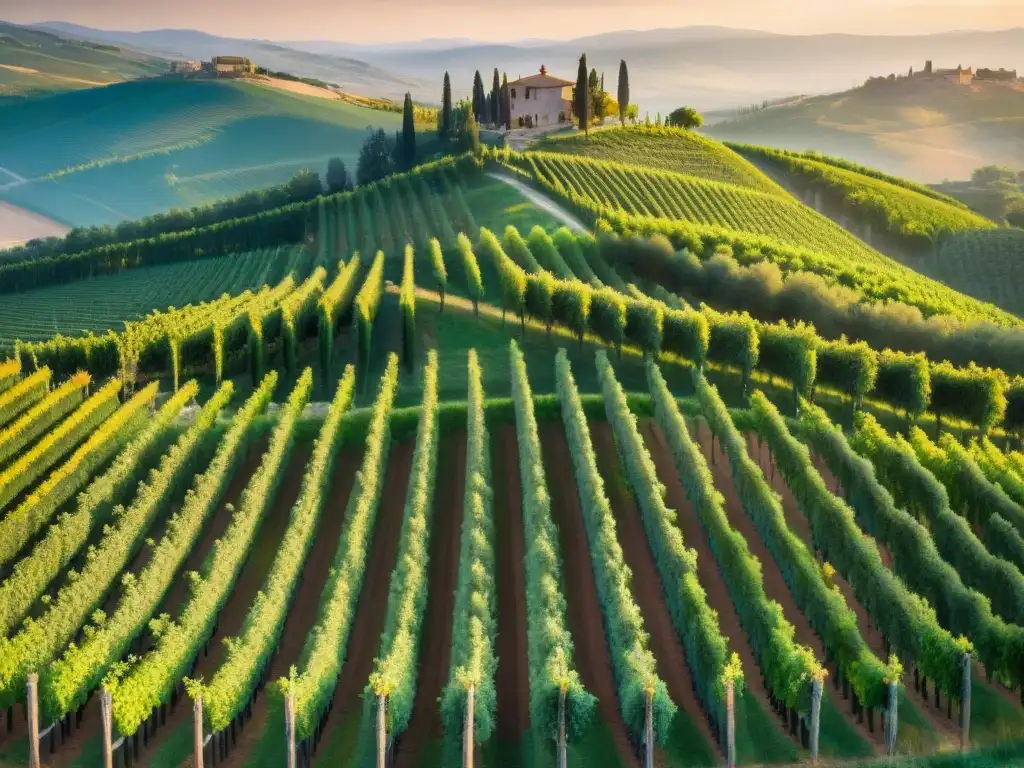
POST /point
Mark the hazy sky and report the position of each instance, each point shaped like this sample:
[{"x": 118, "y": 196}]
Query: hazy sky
[{"x": 373, "y": 21}]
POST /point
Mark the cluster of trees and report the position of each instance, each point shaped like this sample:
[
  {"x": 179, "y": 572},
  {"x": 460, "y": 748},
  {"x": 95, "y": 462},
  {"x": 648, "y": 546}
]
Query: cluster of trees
[
  {"x": 592, "y": 103},
  {"x": 381, "y": 155}
]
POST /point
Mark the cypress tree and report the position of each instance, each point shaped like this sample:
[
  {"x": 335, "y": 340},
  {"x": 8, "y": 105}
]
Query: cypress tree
[
  {"x": 446, "y": 109},
  {"x": 506, "y": 105},
  {"x": 478, "y": 97},
  {"x": 623, "y": 91},
  {"x": 408, "y": 133},
  {"x": 582, "y": 105},
  {"x": 496, "y": 99}
]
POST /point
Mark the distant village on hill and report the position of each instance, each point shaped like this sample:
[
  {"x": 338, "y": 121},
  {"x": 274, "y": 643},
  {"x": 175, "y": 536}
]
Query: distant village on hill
[{"x": 957, "y": 76}]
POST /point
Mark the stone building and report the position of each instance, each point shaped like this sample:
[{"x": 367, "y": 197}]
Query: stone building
[{"x": 540, "y": 100}]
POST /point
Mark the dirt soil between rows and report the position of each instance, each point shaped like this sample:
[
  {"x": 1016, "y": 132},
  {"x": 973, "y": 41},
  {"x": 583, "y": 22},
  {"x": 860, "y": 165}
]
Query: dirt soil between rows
[
  {"x": 513, "y": 676},
  {"x": 774, "y": 584},
  {"x": 303, "y": 612},
  {"x": 436, "y": 630},
  {"x": 708, "y": 572},
  {"x": 368, "y": 623},
  {"x": 648, "y": 591},
  {"x": 586, "y": 623}
]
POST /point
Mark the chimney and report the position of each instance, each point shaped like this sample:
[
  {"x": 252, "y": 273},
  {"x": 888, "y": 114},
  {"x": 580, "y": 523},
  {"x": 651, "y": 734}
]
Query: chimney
[{"x": 543, "y": 69}]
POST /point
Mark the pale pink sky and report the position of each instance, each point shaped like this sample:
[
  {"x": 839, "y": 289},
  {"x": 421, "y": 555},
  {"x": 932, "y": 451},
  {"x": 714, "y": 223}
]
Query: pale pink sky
[{"x": 373, "y": 21}]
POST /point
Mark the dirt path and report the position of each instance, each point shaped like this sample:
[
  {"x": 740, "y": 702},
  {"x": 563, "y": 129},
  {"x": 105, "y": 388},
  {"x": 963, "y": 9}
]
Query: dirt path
[
  {"x": 648, "y": 589},
  {"x": 774, "y": 584},
  {"x": 368, "y": 623},
  {"x": 541, "y": 201},
  {"x": 513, "y": 676},
  {"x": 585, "y": 619},
  {"x": 708, "y": 573},
  {"x": 436, "y": 633}
]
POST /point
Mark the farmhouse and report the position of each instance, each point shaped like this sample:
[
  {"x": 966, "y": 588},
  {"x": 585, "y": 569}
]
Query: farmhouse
[
  {"x": 231, "y": 66},
  {"x": 540, "y": 100}
]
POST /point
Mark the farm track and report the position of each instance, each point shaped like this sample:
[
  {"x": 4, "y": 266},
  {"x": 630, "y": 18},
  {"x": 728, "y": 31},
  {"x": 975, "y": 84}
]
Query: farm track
[
  {"x": 585, "y": 618},
  {"x": 262, "y": 740},
  {"x": 368, "y": 623},
  {"x": 799, "y": 524},
  {"x": 708, "y": 573},
  {"x": 774, "y": 584},
  {"x": 513, "y": 675},
  {"x": 648, "y": 589},
  {"x": 436, "y": 632}
]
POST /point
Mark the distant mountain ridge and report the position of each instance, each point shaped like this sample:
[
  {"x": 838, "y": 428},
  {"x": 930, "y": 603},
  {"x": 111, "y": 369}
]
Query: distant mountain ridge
[{"x": 706, "y": 67}]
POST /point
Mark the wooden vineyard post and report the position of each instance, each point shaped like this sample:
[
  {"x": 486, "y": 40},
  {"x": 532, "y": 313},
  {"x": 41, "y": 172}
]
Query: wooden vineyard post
[
  {"x": 816, "y": 690},
  {"x": 289, "y": 727},
  {"x": 891, "y": 718},
  {"x": 467, "y": 732},
  {"x": 649, "y": 730},
  {"x": 105, "y": 715},
  {"x": 730, "y": 725},
  {"x": 32, "y": 696},
  {"x": 965, "y": 703},
  {"x": 382, "y": 732},
  {"x": 563, "y": 757},
  {"x": 197, "y": 730}
]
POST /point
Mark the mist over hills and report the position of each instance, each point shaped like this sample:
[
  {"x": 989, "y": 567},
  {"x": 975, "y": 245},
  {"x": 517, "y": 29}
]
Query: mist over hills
[{"x": 706, "y": 67}]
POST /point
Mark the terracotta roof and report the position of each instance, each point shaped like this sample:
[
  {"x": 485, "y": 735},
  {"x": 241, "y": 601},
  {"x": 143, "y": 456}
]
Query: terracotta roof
[{"x": 542, "y": 81}]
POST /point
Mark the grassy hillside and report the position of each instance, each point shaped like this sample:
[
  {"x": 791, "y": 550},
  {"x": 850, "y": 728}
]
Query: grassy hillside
[
  {"x": 103, "y": 155},
  {"x": 35, "y": 63},
  {"x": 911, "y": 219},
  {"x": 988, "y": 265},
  {"x": 924, "y": 131},
  {"x": 669, "y": 148}
]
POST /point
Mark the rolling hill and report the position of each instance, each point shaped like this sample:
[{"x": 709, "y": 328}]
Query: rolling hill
[
  {"x": 34, "y": 62},
  {"x": 926, "y": 131},
  {"x": 103, "y": 155}
]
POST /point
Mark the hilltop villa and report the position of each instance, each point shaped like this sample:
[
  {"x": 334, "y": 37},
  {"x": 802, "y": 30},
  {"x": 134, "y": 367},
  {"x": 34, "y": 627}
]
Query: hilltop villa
[{"x": 540, "y": 100}]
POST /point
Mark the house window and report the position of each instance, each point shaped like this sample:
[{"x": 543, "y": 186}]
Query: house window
[
  {"x": 513, "y": 93},
  {"x": 527, "y": 93}
]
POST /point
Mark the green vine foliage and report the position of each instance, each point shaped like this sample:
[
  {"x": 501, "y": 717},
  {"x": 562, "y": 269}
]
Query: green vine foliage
[
  {"x": 470, "y": 270},
  {"x": 846, "y": 536},
  {"x": 333, "y": 305},
  {"x": 608, "y": 316},
  {"x": 972, "y": 394},
  {"x": 904, "y": 381},
  {"x": 917, "y": 561},
  {"x": 511, "y": 275},
  {"x": 686, "y": 333},
  {"x": 542, "y": 246},
  {"x": 695, "y": 621},
  {"x": 929, "y": 485},
  {"x": 39, "y": 643},
  {"x": 789, "y": 352},
  {"x": 847, "y": 367},
  {"x": 549, "y": 643},
  {"x": 733, "y": 341},
  {"x": 394, "y": 674},
  {"x": 517, "y": 250},
  {"x": 367, "y": 304},
  {"x": 645, "y": 323},
  {"x": 68, "y": 534},
  {"x": 634, "y": 665},
  {"x": 789, "y": 668},
  {"x": 474, "y": 626},
  {"x": 540, "y": 290},
  {"x": 407, "y": 305},
  {"x": 570, "y": 306},
  {"x": 137, "y": 688},
  {"x": 322, "y": 656},
  {"x": 822, "y": 603}
]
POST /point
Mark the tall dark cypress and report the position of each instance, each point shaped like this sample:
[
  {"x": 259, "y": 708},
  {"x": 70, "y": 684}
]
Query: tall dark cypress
[
  {"x": 496, "y": 99},
  {"x": 506, "y": 104},
  {"x": 408, "y": 133},
  {"x": 623, "y": 91},
  {"x": 478, "y": 97},
  {"x": 582, "y": 105},
  {"x": 445, "y": 128}
]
